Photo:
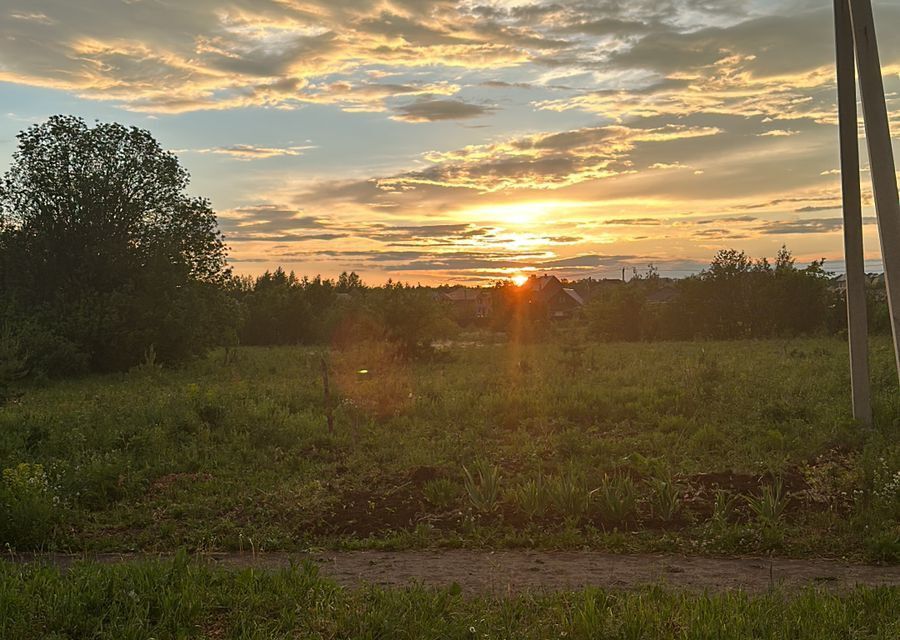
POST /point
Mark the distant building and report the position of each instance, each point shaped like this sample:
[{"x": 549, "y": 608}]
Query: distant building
[
  {"x": 552, "y": 297},
  {"x": 874, "y": 282},
  {"x": 663, "y": 295},
  {"x": 469, "y": 303}
]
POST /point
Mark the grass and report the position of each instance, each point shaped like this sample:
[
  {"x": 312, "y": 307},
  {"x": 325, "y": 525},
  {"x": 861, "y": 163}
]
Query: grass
[
  {"x": 235, "y": 449},
  {"x": 181, "y": 599}
]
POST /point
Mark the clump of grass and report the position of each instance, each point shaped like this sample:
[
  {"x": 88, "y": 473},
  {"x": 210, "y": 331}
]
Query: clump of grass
[
  {"x": 664, "y": 497},
  {"x": 531, "y": 497},
  {"x": 723, "y": 507},
  {"x": 769, "y": 505},
  {"x": 482, "y": 484},
  {"x": 569, "y": 495},
  {"x": 615, "y": 498},
  {"x": 441, "y": 493}
]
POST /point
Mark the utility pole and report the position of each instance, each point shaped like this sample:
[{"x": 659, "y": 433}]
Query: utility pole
[
  {"x": 881, "y": 157},
  {"x": 857, "y": 322}
]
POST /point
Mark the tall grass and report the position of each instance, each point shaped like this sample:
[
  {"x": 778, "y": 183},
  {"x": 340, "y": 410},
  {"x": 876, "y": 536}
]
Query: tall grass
[
  {"x": 182, "y": 599},
  {"x": 236, "y": 446}
]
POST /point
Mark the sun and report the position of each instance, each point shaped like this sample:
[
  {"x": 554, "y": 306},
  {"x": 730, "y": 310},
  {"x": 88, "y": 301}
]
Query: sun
[{"x": 519, "y": 279}]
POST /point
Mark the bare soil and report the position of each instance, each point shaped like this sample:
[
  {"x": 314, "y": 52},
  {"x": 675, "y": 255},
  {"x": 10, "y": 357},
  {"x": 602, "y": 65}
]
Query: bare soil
[{"x": 507, "y": 572}]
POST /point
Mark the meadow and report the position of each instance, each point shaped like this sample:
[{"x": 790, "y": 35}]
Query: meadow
[{"x": 701, "y": 447}]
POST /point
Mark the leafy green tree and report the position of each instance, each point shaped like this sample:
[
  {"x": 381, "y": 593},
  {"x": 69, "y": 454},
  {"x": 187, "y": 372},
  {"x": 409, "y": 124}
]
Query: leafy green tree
[{"x": 103, "y": 251}]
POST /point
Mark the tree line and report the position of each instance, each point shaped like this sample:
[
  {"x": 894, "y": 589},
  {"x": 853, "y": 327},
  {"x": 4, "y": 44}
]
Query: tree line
[
  {"x": 107, "y": 262},
  {"x": 735, "y": 297}
]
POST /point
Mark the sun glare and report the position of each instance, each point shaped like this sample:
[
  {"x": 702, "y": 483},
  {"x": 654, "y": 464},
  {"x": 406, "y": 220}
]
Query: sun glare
[{"x": 519, "y": 279}]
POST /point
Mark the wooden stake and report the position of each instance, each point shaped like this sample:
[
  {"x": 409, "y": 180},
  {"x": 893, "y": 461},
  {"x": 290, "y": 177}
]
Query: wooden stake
[
  {"x": 857, "y": 322},
  {"x": 329, "y": 412},
  {"x": 881, "y": 157}
]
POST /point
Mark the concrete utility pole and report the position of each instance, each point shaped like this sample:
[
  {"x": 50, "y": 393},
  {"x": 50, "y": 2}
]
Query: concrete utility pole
[
  {"x": 881, "y": 157},
  {"x": 857, "y": 321}
]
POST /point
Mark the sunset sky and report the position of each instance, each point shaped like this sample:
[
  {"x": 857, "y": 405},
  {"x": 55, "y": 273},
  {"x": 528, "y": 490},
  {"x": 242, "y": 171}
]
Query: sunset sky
[{"x": 430, "y": 140}]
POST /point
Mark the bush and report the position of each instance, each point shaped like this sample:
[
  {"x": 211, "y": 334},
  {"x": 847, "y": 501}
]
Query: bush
[{"x": 28, "y": 507}]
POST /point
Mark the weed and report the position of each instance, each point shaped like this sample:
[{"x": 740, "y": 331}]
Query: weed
[
  {"x": 441, "y": 493},
  {"x": 569, "y": 495},
  {"x": 482, "y": 484},
  {"x": 531, "y": 497},
  {"x": 769, "y": 506},
  {"x": 616, "y": 498},
  {"x": 665, "y": 497},
  {"x": 723, "y": 507},
  {"x": 29, "y": 507}
]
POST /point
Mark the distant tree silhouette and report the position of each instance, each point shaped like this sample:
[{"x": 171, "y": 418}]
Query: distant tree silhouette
[{"x": 103, "y": 255}]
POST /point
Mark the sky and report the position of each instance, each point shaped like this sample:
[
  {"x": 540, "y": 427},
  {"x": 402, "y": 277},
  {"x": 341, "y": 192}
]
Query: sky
[{"x": 468, "y": 141}]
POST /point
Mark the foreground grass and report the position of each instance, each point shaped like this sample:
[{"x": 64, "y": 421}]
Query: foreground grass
[
  {"x": 183, "y": 599},
  {"x": 668, "y": 446}
]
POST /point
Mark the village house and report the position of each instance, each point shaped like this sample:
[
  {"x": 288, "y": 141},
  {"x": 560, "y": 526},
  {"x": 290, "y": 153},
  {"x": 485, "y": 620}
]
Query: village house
[
  {"x": 469, "y": 303},
  {"x": 549, "y": 295}
]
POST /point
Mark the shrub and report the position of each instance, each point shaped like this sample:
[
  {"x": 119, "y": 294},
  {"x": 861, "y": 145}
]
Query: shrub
[{"x": 28, "y": 507}]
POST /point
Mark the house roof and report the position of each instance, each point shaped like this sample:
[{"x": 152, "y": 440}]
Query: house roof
[
  {"x": 662, "y": 296},
  {"x": 463, "y": 294},
  {"x": 574, "y": 295}
]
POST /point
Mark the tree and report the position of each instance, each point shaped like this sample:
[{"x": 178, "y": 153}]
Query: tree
[{"x": 102, "y": 248}]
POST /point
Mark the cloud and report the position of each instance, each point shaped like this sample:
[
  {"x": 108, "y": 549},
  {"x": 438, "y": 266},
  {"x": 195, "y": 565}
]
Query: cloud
[
  {"x": 807, "y": 225},
  {"x": 252, "y": 152},
  {"x": 541, "y": 161},
  {"x": 270, "y": 223},
  {"x": 430, "y": 110}
]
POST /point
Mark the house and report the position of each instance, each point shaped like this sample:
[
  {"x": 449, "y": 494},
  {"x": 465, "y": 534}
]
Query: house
[
  {"x": 469, "y": 303},
  {"x": 875, "y": 283},
  {"x": 550, "y": 296},
  {"x": 662, "y": 295}
]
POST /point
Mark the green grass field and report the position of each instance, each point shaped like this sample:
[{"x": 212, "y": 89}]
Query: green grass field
[
  {"x": 715, "y": 447},
  {"x": 183, "y": 599}
]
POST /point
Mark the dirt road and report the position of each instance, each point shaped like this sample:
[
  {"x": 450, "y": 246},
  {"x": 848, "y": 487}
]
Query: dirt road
[{"x": 502, "y": 572}]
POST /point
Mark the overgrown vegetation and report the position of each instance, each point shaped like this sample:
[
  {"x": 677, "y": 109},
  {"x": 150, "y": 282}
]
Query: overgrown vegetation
[
  {"x": 713, "y": 447},
  {"x": 179, "y": 598}
]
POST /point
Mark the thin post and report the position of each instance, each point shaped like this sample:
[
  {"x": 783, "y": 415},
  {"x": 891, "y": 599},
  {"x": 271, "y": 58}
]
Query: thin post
[
  {"x": 881, "y": 157},
  {"x": 857, "y": 322},
  {"x": 329, "y": 411}
]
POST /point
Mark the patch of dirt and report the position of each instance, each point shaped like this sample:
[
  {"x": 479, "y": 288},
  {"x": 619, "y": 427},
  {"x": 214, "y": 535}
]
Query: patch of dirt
[
  {"x": 376, "y": 509},
  {"x": 746, "y": 483},
  {"x": 508, "y": 572}
]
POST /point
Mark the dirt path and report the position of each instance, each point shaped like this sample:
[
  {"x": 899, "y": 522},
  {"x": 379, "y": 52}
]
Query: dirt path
[{"x": 503, "y": 572}]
